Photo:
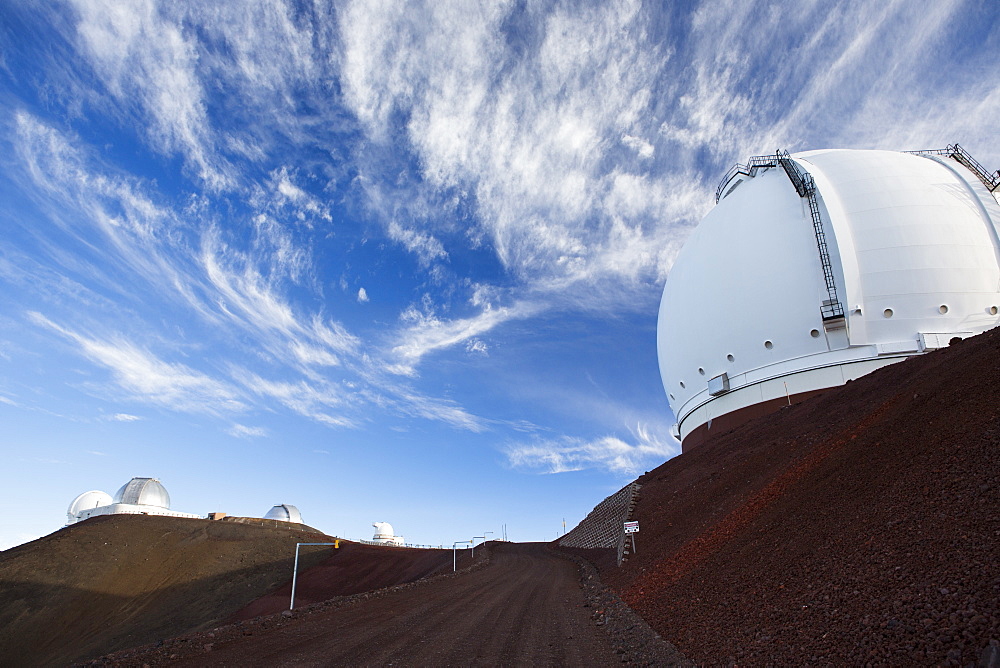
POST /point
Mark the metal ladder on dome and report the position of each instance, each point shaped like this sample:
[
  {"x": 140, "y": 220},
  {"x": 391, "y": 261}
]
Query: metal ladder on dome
[{"x": 831, "y": 309}]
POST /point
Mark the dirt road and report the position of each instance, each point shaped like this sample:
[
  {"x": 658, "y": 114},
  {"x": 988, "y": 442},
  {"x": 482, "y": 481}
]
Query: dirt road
[{"x": 526, "y": 607}]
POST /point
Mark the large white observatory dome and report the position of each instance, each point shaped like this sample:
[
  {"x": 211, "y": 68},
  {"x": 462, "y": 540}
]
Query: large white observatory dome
[
  {"x": 285, "y": 513},
  {"x": 143, "y": 492},
  {"x": 820, "y": 267}
]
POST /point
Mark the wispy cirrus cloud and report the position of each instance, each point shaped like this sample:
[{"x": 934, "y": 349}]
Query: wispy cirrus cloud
[
  {"x": 588, "y": 142},
  {"x": 568, "y": 148},
  {"x": 250, "y": 288},
  {"x": 518, "y": 131},
  {"x": 415, "y": 404},
  {"x": 580, "y": 134},
  {"x": 112, "y": 212},
  {"x": 317, "y": 400},
  {"x": 855, "y": 75},
  {"x": 243, "y": 431},
  {"x": 142, "y": 376},
  {"x": 424, "y": 332},
  {"x": 125, "y": 417},
  {"x": 566, "y": 453},
  {"x": 149, "y": 64},
  {"x": 197, "y": 270},
  {"x": 239, "y": 291}
]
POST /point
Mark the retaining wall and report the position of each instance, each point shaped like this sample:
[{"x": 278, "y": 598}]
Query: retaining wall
[{"x": 603, "y": 527}]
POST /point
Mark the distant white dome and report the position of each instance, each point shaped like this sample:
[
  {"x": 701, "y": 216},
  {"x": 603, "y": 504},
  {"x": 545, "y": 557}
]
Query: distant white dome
[
  {"x": 383, "y": 531},
  {"x": 87, "y": 501},
  {"x": 143, "y": 492},
  {"x": 284, "y": 513}
]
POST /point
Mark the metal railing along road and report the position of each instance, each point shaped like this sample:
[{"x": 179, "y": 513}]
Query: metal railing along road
[{"x": 414, "y": 545}]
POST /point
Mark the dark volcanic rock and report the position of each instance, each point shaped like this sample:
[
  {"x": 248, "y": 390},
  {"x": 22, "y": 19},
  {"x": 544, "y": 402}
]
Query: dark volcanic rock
[{"x": 859, "y": 526}]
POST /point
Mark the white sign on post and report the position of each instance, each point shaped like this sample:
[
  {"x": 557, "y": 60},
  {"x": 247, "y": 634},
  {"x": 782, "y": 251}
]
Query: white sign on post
[{"x": 631, "y": 527}]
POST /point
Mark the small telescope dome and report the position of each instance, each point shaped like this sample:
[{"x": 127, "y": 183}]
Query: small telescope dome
[
  {"x": 143, "y": 492},
  {"x": 87, "y": 501},
  {"x": 383, "y": 531},
  {"x": 284, "y": 513}
]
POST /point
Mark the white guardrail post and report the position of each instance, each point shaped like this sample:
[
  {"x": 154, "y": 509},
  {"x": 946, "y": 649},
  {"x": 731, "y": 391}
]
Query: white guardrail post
[
  {"x": 295, "y": 569},
  {"x": 454, "y": 554}
]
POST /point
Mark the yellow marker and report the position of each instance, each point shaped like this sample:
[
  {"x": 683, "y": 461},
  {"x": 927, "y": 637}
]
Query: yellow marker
[{"x": 336, "y": 544}]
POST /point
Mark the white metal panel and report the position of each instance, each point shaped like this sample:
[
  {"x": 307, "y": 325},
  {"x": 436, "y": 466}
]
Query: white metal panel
[{"x": 750, "y": 274}]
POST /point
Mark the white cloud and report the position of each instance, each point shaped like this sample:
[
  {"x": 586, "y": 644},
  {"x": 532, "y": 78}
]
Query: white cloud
[
  {"x": 243, "y": 431},
  {"x": 588, "y": 139},
  {"x": 317, "y": 400},
  {"x": 642, "y": 147},
  {"x": 417, "y": 405},
  {"x": 124, "y": 417},
  {"x": 424, "y": 246},
  {"x": 477, "y": 346},
  {"x": 255, "y": 300},
  {"x": 579, "y": 146},
  {"x": 144, "y": 377},
  {"x": 109, "y": 211},
  {"x": 560, "y": 455},
  {"x": 425, "y": 332},
  {"x": 149, "y": 63},
  {"x": 314, "y": 356},
  {"x": 531, "y": 136}
]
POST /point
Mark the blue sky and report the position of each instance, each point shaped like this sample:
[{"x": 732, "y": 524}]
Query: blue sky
[{"x": 399, "y": 261}]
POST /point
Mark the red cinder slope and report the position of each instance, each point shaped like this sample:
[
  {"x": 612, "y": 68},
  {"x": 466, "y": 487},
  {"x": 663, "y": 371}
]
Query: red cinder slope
[{"x": 860, "y": 526}]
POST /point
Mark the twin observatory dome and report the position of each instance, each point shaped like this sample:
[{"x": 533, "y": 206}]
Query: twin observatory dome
[{"x": 820, "y": 267}]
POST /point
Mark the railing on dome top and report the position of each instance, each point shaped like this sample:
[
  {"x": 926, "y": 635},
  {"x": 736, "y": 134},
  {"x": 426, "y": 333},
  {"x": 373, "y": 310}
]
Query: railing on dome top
[
  {"x": 750, "y": 169},
  {"x": 959, "y": 154},
  {"x": 414, "y": 545},
  {"x": 831, "y": 308}
]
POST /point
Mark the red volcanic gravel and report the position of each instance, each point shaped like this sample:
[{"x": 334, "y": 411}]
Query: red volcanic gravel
[{"x": 858, "y": 527}]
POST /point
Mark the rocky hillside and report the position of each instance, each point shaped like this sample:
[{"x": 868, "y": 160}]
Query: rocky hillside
[
  {"x": 860, "y": 526},
  {"x": 118, "y": 581}
]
